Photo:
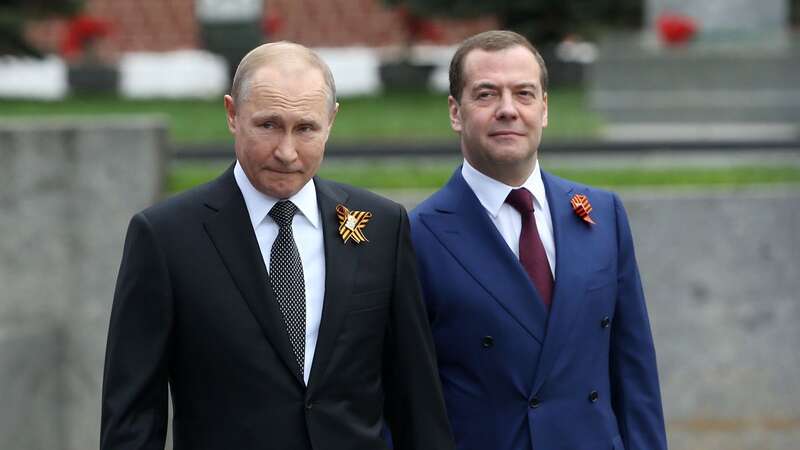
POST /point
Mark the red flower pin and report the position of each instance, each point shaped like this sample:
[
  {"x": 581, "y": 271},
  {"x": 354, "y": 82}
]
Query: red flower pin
[{"x": 582, "y": 207}]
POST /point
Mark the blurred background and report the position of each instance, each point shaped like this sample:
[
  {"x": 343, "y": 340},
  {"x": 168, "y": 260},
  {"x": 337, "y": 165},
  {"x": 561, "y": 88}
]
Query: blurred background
[{"x": 689, "y": 108}]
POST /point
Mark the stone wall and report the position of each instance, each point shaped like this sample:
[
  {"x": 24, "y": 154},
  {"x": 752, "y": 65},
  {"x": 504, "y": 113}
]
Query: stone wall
[
  {"x": 725, "y": 19},
  {"x": 737, "y": 70},
  {"x": 636, "y": 85},
  {"x": 67, "y": 191},
  {"x": 720, "y": 271}
]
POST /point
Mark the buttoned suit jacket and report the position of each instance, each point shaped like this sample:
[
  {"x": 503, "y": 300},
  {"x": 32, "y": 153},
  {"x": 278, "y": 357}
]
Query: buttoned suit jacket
[
  {"x": 193, "y": 309},
  {"x": 515, "y": 377}
]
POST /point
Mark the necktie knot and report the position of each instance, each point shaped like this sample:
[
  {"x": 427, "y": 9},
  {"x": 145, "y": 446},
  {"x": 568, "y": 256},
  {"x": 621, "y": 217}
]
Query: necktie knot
[
  {"x": 521, "y": 199},
  {"x": 283, "y": 212}
]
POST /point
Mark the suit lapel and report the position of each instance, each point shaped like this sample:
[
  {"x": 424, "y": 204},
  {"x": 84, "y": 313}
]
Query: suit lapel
[
  {"x": 232, "y": 234},
  {"x": 463, "y": 227},
  {"x": 568, "y": 292},
  {"x": 341, "y": 260}
]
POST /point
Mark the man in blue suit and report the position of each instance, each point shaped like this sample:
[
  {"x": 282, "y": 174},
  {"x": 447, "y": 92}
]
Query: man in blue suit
[{"x": 531, "y": 284}]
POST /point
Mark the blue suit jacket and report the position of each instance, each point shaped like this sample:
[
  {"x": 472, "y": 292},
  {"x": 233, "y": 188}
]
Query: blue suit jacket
[{"x": 515, "y": 377}]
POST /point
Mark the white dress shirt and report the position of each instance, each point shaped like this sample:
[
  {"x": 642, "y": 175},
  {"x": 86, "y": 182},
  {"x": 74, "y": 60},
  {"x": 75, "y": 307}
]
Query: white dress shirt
[
  {"x": 492, "y": 195},
  {"x": 307, "y": 231}
]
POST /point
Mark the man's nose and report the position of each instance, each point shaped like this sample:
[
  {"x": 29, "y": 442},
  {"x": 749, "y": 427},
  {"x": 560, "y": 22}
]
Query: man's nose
[
  {"x": 286, "y": 151},
  {"x": 507, "y": 110}
]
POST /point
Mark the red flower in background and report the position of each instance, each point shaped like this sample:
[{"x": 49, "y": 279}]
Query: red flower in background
[
  {"x": 272, "y": 23},
  {"x": 676, "y": 29},
  {"x": 81, "y": 33},
  {"x": 419, "y": 28}
]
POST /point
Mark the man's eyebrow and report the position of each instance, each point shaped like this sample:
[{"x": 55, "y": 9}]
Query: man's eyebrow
[
  {"x": 527, "y": 84},
  {"x": 484, "y": 85},
  {"x": 266, "y": 116},
  {"x": 308, "y": 121},
  {"x": 489, "y": 85}
]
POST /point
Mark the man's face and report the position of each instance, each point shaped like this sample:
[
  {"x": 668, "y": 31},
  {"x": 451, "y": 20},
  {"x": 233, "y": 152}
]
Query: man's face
[
  {"x": 501, "y": 113},
  {"x": 280, "y": 127}
]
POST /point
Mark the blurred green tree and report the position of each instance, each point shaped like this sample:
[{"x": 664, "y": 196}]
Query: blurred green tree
[
  {"x": 14, "y": 14},
  {"x": 541, "y": 21}
]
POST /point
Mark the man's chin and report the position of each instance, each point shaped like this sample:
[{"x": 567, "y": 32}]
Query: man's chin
[
  {"x": 510, "y": 150},
  {"x": 511, "y": 158}
]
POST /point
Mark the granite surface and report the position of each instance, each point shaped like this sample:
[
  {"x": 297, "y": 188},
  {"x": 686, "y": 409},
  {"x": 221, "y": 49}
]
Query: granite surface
[{"x": 67, "y": 191}]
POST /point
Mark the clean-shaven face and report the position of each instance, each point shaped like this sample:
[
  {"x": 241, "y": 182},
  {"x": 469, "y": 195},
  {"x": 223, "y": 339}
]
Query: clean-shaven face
[
  {"x": 280, "y": 126},
  {"x": 501, "y": 113}
]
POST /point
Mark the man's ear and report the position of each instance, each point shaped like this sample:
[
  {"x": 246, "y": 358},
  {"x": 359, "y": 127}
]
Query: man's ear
[
  {"x": 330, "y": 121},
  {"x": 455, "y": 117},
  {"x": 544, "y": 118},
  {"x": 230, "y": 113},
  {"x": 333, "y": 114}
]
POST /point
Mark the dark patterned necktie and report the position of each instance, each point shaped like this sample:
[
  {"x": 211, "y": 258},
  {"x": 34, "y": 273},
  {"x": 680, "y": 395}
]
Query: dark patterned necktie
[
  {"x": 286, "y": 277},
  {"x": 531, "y": 251}
]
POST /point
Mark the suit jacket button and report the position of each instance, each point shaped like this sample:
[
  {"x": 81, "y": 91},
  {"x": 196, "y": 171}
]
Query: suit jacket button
[
  {"x": 605, "y": 322},
  {"x": 309, "y": 405},
  {"x": 593, "y": 396},
  {"x": 534, "y": 403},
  {"x": 487, "y": 342}
]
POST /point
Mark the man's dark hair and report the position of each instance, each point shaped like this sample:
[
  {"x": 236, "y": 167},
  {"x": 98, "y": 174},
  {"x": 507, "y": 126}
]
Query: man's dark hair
[{"x": 490, "y": 41}]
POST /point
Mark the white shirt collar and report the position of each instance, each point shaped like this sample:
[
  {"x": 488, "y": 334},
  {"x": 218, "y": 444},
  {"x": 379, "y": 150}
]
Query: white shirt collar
[
  {"x": 492, "y": 193},
  {"x": 259, "y": 204}
]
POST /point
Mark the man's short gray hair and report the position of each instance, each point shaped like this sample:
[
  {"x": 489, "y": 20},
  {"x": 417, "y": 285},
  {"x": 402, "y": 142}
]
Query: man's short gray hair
[{"x": 267, "y": 53}]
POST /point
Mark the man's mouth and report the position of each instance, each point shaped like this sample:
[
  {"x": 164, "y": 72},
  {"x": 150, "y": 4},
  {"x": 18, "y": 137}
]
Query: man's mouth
[
  {"x": 504, "y": 133},
  {"x": 281, "y": 171}
]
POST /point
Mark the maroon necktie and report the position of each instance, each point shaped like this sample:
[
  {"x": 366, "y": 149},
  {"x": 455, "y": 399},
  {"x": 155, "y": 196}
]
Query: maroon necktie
[{"x": 531, "y": 251}]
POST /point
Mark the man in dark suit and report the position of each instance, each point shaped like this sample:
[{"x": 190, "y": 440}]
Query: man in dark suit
[
  {"x": 282, "y": 310},
  {"x": 530, "y": 280}
]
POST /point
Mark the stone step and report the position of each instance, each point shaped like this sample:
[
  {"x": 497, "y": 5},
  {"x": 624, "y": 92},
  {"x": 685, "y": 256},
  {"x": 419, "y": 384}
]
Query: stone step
[{"x": 636, "y": 81}]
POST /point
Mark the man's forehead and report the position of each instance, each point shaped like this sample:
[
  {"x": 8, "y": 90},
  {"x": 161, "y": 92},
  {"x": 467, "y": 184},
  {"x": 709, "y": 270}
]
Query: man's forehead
[
  {"x": 278, "y": 81},
  {"x": 480, "y": 60},
  {"x": 507, "y": 66},
  {"x": 269, "y": 88},
  {"x": 289, "y": 72},
  {"x": 265, "y": 100}
]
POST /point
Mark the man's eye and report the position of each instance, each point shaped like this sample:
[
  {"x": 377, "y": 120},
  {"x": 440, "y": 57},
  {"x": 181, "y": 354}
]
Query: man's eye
[
  {"x": 484, "y": 95},
  {"x": 268, "y": 125}
]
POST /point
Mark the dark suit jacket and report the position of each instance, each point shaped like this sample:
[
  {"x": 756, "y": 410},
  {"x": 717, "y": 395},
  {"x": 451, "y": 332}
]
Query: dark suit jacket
[
  {"x": 515, "y": 377},
  {"x": 193, "y": 309}
]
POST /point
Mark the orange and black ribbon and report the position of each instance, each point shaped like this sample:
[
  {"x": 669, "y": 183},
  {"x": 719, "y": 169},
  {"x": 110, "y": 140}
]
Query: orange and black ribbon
[
  {"x": 582, "y": 207},
  {"x": 352, "y": 224}
]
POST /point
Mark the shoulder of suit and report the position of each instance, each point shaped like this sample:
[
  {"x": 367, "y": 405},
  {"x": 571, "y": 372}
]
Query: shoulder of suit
[
  {"x": 363, "y": 199},
  {"x": 187, "y": 202},
  {"x": 434, "y": 201},
  {"x": 579, "y": 188}
]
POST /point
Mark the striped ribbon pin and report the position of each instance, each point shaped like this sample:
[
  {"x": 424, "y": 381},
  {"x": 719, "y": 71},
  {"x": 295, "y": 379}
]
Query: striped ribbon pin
[
  {"x": 582, "y": 207},
  {"x": 352, "y": 224}
]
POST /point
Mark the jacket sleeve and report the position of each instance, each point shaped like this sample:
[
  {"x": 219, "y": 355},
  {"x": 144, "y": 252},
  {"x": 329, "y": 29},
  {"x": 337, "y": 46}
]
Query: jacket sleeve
[
  {"x": 134, "y": 398},
  {"x": 636, "y": 397},
  {"x": 414, "y": 406}
]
